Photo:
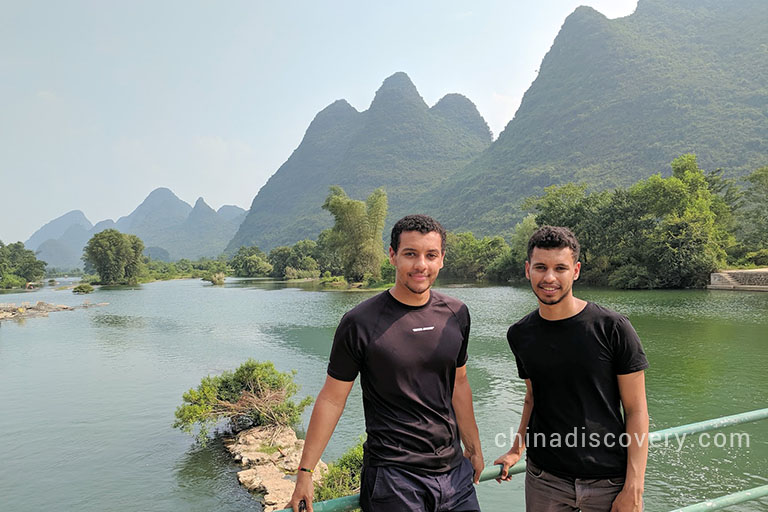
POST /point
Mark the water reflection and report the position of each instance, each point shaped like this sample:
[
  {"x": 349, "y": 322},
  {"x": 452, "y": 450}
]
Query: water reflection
[
  {"x": 119, "y": 321},
  {"x": 207, "y": 480},
  {"x": 119, "y": 287},
  {"x": 315, "y": 341}
]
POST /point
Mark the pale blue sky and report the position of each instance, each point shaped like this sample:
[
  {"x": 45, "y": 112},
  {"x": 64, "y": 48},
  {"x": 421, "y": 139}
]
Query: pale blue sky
[{"x": 102, "y": 102}]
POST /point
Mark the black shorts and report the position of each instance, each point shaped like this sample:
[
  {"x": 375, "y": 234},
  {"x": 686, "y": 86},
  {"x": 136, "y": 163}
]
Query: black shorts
[{"x": 391, "y": 488}]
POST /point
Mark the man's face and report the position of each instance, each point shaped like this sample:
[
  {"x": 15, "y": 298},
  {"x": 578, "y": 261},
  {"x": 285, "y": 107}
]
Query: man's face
[
  {"x": 552, "y": 273},
  {"x": 418, "y": 260}
]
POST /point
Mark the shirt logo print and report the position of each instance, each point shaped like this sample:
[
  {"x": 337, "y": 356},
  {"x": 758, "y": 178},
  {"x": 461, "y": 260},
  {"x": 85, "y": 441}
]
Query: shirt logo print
[{"x": 419, "y": 329}]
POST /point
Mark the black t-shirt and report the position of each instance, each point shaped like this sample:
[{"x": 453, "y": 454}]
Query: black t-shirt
[
  {"x": 407, "y": 358},
  {"x": 573, "y": 364}
]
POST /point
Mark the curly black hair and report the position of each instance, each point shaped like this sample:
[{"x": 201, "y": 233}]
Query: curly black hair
[
  {"x": 421, "y": 223},
  {"x": 554, "y": 237}
]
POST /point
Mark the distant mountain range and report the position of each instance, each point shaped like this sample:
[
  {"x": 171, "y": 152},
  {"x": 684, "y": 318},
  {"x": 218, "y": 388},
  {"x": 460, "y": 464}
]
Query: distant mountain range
[
  {"x": 615, "y": 101},
  {"x": 170, "y": 228},
  {"x": 399, "y": 143}
]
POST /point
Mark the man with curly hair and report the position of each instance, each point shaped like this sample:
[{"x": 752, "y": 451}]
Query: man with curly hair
[{"x": 409, "y": 346}]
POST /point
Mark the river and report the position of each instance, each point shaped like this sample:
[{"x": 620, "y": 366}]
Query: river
[{"x": 87, "y": 396}]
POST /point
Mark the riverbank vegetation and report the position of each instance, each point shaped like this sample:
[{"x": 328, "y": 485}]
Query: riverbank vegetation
[
  {"x": 659, "y": 233},
  {"x": 255, "y": 394},
  {"x": 349, "y": 252},
  {"x": 662, "y": 232},
  {"x": 343, "y": 475},
  {"x": 19, "y": 266}
]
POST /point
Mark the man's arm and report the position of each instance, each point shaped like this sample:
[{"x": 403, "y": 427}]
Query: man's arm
[
  {"x": 465, "y": 417},
  {"x": 632, "y": 390},
  {"x": 514, "y": 454},
  {"x": 325, "y": 415}
]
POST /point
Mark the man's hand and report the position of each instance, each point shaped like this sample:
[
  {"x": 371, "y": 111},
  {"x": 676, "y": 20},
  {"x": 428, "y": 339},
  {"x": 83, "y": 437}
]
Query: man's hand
[
  {"x": 628, "y": 500},
  {"x": 476, "y": 458},
  {"x": 304, "y": 491},
  {"x": 507, "y": 460}
]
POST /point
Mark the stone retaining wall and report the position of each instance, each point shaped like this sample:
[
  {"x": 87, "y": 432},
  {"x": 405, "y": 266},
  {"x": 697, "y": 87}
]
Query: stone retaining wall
[
  {"x": 753, "y": 278},
  {"x": 740, "y": 279}
]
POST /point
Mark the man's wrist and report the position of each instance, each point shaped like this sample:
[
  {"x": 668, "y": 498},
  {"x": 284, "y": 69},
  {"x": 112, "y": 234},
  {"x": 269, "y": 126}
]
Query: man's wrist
[
  {"x": 303, "y": 475},
  {"x": 634, "y": 487},
  {"x": 474, "y": 449}
]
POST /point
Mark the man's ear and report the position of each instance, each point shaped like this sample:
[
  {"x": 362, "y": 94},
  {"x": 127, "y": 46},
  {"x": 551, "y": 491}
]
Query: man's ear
[
  {"x": 528, "y": 270},
  {"x": 392, "y": 256},
  {"x": 576, "y": 270}
]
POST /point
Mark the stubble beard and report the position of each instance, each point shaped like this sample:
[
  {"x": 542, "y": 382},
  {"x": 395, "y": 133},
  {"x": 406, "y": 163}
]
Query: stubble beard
[
  {"x": 420, "y": 291},
  {"x": 551, "y": 302}
]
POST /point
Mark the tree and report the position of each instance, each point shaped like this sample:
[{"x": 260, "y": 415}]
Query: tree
[
  {"x": 510, "y": 264},
  {"x": 661, "y": 232},
  {"x": 19, "y": 266},
  {"x": 755, "y": 215},
  {"x": 280, "y": 258},
  {"x": 357, "y": 232},
  {"x": 468, "y": 257},
  {"x": 250, "y": 262},
  {"x": 255, "y": 394},
  {"x": 327, "y": 253},
  {"x": 115, "y": 256}
]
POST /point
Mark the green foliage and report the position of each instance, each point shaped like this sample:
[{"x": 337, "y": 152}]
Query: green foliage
[
  {"x": 296, "y": 262},
  {"x": 216, "y": 278},
  {"x": 250, "y": 262},
  {"x": 631, "y": 276},
  {"x": 333, "y": 281},
  {"x": 661, "y": 232},
  {"x": 467, "y": 257},
  {"x": 294, "y": 273},
  {"x": 387, "y": 271},
  {"x": 357, "y": 232},
  {"x": 9, "y": 280},
  {"x": 510, "y": 264},
  {"x": 255, "y": 394},
  {"x": 18, "y": 266},
  {"x": 115, "y": 256},
  {"x": 327, "y": 253},
  {"x": 754, "y": 216},
  {"x": 759, "y": 258},
  {"x": 343, "y": 476},
  {"x": 83, "y": 288}
]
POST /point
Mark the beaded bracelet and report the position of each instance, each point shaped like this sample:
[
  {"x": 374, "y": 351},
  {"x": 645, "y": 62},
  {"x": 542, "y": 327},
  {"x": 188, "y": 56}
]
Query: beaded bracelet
[{"x": 307, "y": 470}]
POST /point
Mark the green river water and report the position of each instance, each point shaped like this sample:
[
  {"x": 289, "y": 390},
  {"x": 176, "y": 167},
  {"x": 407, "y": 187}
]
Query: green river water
[{"x": 87, "y": 397}]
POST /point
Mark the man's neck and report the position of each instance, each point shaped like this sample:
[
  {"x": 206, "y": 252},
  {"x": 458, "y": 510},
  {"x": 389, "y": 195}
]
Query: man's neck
[
  {"x": 407, "y": 297},
  {"x": 566, "y": 308}
]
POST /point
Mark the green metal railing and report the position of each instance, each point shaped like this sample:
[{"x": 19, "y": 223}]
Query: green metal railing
[
  {"x": 726, "y": 501},
  {"x": 352, "y": 502}
]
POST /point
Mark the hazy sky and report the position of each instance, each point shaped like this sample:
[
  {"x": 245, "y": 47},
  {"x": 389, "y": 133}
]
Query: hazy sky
[{"x": 102, "y": 102}]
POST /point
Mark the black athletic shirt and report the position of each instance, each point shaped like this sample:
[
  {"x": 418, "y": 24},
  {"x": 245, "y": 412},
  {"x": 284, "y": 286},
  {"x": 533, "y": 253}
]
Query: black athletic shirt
[
  {"x": 573, "y": 364},
  {"x": 407, "y": 358}
]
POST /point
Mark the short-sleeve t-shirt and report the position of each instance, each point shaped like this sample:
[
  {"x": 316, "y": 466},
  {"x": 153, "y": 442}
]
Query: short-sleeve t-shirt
[
  {"x": 577, "y": 421},
  {"x": 407, "y": 358}
]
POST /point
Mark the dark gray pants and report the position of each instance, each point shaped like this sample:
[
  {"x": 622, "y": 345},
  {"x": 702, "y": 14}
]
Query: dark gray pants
[
  {"x": 545, "y": 492},
  {"x": 394, "y": 489}
]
